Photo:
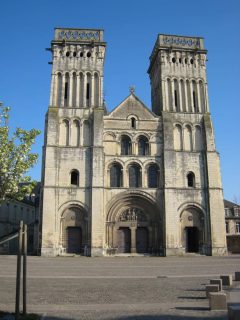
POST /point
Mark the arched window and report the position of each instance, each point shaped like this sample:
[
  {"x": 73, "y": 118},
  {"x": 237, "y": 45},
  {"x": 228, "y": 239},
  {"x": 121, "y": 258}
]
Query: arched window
[
  {"x": 64, "y": 133},
  {"x": 74, "y": 90},
  {"x": 188, "y": 138},
  {"x": 96, "y": 90},
  {"x": 133, "y": 123},
  {"x": 143, "y": 146},
  {"x": 86, "y": 133},
  {"x": 153, "y": 176},
  {"x": 75, "y": 136},
  {"x": 126, "y": 145},
  {"x": 59, "y": 90},
  {"x": 135, "y": 177},
  {"x": 66, "y": 91},
  {"x": 74, "y": 178},
  {"x": 177, "y": 137},
  {"x": 116, "y": 175},
  {"x": 191, "y": 180}
]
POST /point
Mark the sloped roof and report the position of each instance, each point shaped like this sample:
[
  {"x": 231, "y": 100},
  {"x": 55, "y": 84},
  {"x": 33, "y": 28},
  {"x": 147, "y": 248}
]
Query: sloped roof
[{"x": 132, "y": 105}]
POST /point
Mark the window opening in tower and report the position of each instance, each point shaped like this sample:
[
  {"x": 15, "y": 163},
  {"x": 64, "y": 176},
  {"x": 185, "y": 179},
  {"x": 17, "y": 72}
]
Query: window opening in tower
[
  {"x": 194, "y": 101},
  {"x": 175, "y": 98},
  {"x": 66, "y": 91}
]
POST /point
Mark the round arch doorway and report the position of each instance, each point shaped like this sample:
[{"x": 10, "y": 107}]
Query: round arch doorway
[
  {"x": 133, "y": 225},
  {"x": 74, "y": 225},
  {"x": 192, "y": 230}
]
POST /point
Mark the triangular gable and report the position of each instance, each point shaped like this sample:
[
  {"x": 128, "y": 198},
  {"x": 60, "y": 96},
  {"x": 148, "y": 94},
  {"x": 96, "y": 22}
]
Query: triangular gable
[{"x": 132, "y": 105}]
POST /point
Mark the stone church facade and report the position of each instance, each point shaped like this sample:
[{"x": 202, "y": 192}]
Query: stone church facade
[{"x": 131, "y": 180}]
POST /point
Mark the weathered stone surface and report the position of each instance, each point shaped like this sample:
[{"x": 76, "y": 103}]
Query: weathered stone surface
[{"x": 217, "y": 301}]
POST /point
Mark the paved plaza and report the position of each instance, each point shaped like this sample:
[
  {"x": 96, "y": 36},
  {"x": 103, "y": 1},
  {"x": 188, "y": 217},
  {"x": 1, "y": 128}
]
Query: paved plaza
[{"x": 117, "y": 288}]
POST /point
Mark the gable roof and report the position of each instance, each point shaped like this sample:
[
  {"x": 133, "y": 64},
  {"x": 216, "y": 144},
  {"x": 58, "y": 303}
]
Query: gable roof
[{"x": 132, "y": 105}]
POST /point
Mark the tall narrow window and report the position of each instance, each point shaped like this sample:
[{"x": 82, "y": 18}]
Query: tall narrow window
[
  {"x": 96, "y": 90},
  {"x": 133, "y": 123},
  {"x": 74, "y": 89},
  {"x": 191, "y": 179},
  {"x": 126, "y": 146},
  {"x": 143, "y": 146},
  {"x": 59, "y": 90},
  {"x": 116, "y": 176},
  {"x": 66, "y": 91},
  {"x": 175, "y": 99},
  {"x": 74, "y": 178},
  {"x": 135, "y": 178},
  {"x": 194, "y": 101},
  {"x": 153, "y": 176},
  {"x": 88, "y": 91},
  {"x": 64, "y": 133}
]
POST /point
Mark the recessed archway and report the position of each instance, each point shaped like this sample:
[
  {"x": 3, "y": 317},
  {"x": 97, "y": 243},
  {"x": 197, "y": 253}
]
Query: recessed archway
[
  {"x": 74, "y": 230},
  {"x": 134, "y": 224}
]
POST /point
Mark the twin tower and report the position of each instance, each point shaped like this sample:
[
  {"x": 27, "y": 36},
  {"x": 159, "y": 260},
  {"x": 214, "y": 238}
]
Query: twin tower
[{"x": 130, "y": 181}]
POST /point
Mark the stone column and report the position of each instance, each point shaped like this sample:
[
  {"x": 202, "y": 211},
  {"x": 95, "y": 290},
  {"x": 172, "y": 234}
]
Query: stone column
[
  {"x": 164, "y": 93},
  {"x": 52, "y": 91},
  {"x": 84, "y": 93},
  {"x": 186, "y": 96},
  {"x": 180, "y": 108},
  {"x": 101, "y": 90},
  {"x": 199, "y": 106},
  {"x": 133, "y": 239},
  {"x": 167, "y": 96},
  {"x": 63, "y": 90},
  {"x": 92, "y": 100},
  {"x": 191, "y": 97},
  {"x": 77, "y": 91},
  {"x": 173, "y": 108},
  {"x": 206, "y": 104},
  {"x": 70, "y": 98}
]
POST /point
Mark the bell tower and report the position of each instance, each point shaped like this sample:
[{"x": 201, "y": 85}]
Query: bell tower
[
  {"x": 72, "y": 154},
  {"x": 77, "y": 71},
  {"x": 192, "y": 176},
  {"x": 178, "y": 75}
]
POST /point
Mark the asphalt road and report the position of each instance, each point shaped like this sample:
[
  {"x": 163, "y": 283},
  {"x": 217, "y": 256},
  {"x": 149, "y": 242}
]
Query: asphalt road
[{"x": 118, "y": 287}]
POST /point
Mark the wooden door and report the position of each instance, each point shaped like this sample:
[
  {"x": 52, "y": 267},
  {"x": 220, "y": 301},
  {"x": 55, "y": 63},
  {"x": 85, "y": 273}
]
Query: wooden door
[
  {"x": 74, "y": 239},
  {"x": 124, "y": 240},
  {"x": 142, "y": 240}
]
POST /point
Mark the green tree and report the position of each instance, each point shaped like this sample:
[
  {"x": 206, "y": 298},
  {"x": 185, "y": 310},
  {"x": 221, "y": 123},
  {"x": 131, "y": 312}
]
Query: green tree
[{"x": 15, "y": 159}]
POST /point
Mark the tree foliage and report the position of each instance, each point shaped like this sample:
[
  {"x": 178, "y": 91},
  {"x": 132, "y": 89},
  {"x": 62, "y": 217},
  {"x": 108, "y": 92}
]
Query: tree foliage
[{"x": 15, "y": 159}]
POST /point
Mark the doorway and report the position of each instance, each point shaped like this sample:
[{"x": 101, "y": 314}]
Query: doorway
[
  {"x": 74, "y": 240},
  {"x": 192, "y": 239},
  {"x": 142, "y": 240},
  {"x": 124, "y": 240}
]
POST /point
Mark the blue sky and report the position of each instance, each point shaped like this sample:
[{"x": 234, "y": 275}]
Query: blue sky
[{"x": 131, "y": 28}]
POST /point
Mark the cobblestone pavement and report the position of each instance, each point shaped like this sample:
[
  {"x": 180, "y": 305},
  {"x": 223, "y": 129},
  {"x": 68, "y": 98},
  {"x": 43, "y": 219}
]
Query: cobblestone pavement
[{"x": 117, "y": 288}]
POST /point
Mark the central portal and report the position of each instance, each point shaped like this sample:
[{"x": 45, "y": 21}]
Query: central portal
[{"x": 133, "y": 225}]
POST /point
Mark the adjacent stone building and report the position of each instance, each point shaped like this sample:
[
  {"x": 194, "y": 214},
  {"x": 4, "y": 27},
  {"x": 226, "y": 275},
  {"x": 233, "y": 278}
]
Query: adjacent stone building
[
  {"x": 14, "y": 211},
  {"x": 130, "y": 180},
  {"x": 232, "y": 217}
]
